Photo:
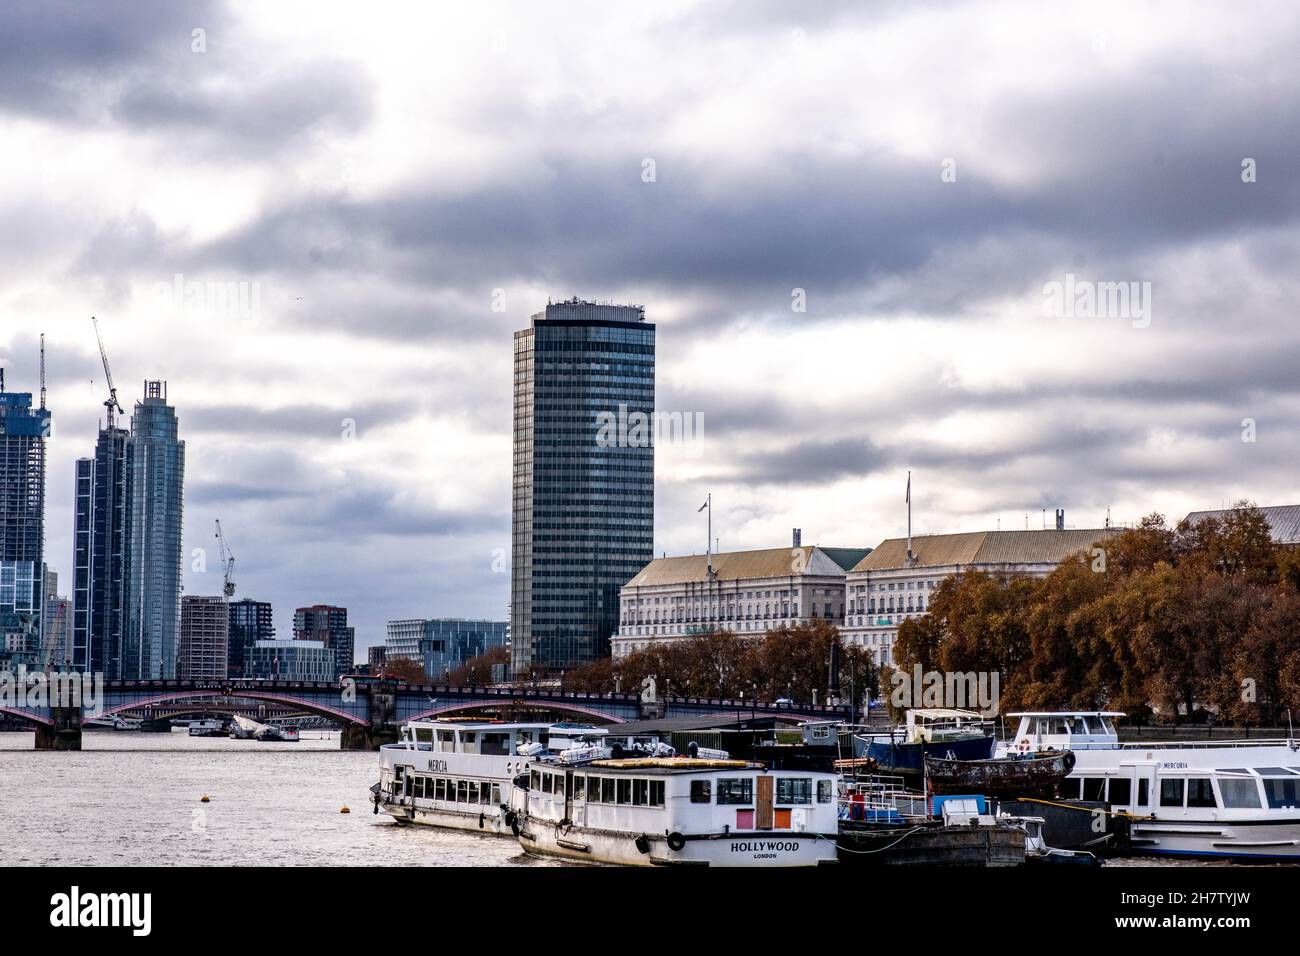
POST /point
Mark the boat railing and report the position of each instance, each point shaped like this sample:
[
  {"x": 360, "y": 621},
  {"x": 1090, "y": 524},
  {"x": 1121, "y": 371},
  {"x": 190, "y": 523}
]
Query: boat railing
[{"x": 1195, "y": 744}]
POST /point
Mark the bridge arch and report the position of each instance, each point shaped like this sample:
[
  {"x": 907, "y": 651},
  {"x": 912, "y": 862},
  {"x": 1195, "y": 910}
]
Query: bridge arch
[
  {"x": 31, "y": 718},
  {"x": 321, "y": 710},
  {"x": 539, "y": 703}
]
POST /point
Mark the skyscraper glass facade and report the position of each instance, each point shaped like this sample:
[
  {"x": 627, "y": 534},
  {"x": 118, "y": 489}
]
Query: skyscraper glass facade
[
  {"x": 99, "y": 557},
  {"x": 583, "y": 505},
  {"x": 23, "y": 430},
  {"x": 155, "y": 505}
]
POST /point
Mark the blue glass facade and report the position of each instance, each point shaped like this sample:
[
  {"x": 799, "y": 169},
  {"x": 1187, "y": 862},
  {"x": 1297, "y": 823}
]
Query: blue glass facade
[{"x": 583, "y": 508}]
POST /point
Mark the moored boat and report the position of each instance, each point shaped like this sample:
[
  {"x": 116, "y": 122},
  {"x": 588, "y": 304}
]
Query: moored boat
[
  {"x": 665, "y": 811},
  {"x": 1016, "y": 775},
  {"x": 1234, "y": 799},
  {"x": 458, "y": 773},
  {"x": 931, "y": 732}
]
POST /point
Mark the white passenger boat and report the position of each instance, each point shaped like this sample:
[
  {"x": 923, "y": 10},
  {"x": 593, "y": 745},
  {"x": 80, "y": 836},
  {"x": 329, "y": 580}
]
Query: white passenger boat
[
  {"x": 655, "y": 811},
  {"x": 456, "y": 773},
  {"x": 1208, "y": 798}
]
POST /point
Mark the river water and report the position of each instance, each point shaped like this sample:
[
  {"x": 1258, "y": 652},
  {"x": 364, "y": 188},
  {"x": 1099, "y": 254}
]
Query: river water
[{"x": 133, "y": 798}]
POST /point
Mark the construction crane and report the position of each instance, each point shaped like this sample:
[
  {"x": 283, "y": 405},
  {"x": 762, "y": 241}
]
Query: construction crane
[
  {"x": 42, "y": 370},
  {"x": 227, "y": 564},
  {"x": 111, "y": 402}
]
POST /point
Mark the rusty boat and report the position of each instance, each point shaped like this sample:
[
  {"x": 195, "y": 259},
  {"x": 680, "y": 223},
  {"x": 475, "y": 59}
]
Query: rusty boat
[{"x": 1033, "y": 774}]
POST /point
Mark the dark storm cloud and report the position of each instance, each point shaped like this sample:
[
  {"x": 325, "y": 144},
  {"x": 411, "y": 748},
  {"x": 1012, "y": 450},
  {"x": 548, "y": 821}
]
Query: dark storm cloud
[{"x": 132, "y": 65}]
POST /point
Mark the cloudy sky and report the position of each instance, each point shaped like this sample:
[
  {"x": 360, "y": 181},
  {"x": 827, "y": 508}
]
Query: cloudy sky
[{"x": 401, "y": 185}]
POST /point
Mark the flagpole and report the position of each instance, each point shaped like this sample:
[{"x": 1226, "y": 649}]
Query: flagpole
[
  {"x": 909, "y": 517},
  {"x": 708, "y": 544}
]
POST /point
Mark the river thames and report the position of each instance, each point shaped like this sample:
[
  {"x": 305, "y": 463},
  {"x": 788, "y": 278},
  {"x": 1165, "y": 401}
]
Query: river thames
[{"x": 130, "y": 799}]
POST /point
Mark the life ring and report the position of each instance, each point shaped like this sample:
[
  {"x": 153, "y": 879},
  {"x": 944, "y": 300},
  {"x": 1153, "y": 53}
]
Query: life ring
[
  {"x": 642, "y": 844},
  {"x": 676, "y": 841},
  {"x": 1024, "y": 745}
]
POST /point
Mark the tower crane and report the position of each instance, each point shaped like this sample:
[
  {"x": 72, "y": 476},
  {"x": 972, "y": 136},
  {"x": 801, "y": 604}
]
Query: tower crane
[
  {"x": 227, "y": 564},
  {"x": 111, "y": 402}
]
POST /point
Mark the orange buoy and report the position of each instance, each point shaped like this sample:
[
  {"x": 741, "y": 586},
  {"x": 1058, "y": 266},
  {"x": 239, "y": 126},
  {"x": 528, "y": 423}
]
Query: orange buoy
[
  {"x": 204, "y": 799},
  {"x": 345, "y": 810}
]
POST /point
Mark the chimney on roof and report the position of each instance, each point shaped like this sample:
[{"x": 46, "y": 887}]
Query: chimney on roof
[
  {"x": 1060, "y": 519},
  {"x": 797, "y": 537}
]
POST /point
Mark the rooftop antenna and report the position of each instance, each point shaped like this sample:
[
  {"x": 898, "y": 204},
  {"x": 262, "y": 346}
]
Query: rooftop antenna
[
  {"x": 111, "y": 402},
  {"x": 42, "y": 370}
]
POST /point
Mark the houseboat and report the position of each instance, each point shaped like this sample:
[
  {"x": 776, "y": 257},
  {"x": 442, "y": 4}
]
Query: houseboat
[
  {"x": 662, "y": 811},
  {"x": 456, "y": 773},
  {"x": 1235, "y": 799},
  {"x": 931, "y": 732},
  {"x": 208, "y": 727}
]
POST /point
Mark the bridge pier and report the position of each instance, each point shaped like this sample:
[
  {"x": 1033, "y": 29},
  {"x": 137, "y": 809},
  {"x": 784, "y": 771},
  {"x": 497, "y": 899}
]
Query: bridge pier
[
  {"x": 64, "y": 734},
  {"x": 356, "y": 737}
]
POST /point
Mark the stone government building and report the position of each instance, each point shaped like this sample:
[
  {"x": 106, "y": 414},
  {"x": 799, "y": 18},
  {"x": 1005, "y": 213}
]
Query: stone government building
[{"x": 748, "y": 592}]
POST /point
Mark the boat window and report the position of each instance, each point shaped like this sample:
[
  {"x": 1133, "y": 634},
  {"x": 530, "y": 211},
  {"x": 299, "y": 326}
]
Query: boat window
[
  {"x": 424, "y": 735},
  {"x": 1270, "y": 771},
  {"x": 1234, "y": 770},
  {"x": 1200, "y": 793},
  {"x": 640, "y": 793},
  {"x": 823, "y": 791},
  {"x": 656, "y": 793},
  {"x": 793, "y": 790},
  {"x": 735, "y": 790},
  {"x": 624, "y": 791},
  {"x": 1281, "y": 793},
  {"x": 440, "y": 789},
  {"x": 1107, "y": 727},
  {"x": 1120, "y": 790},
  {"x": 462, "y": 791},
  {"x": 1070, "y": 788},
  {"x": 445, "y": 741},
  {"x": 1092, "y": 788},
  {"x": 496, "y": 744},
  {"x": 1171, "y": 792},
  {"x": 472, "y": 792},
  {"x": 1144, "y": 792},
  {"x": 1239, "y": 794},
  {"x": 1076, "y": 725},
  {"x": 467, "y": 742},
  {"x": 606, "y": 789},
  {"x": 579, "y": 788},
  {"x": 534, "y": 781},
  {"x": 418, "y": 790},
  {"x": 496, "y": 794},
  {"x": 701, "y": 791}
]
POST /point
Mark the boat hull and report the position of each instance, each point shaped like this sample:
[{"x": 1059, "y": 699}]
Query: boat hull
[
  {"x": 489, "y": 820},
  {"x": 896, "y": 757},
  {"x": 1260, "y": 841},
  {"x": 757, "y": 848},
  {"x": 1029, "y": 776}
]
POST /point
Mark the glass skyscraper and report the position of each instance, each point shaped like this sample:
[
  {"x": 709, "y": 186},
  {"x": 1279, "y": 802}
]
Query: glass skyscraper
[
  {"x": 23, "y": 430},
  {"x": 583, "y": 498},
  {"x": 99, "y": 557},
  {"x": 155, "y": 504}
]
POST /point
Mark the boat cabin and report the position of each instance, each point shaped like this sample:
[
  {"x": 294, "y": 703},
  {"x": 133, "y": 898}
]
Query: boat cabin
[
  {"x": 934, "y": 724},
  {"x": 489, "y": 737},
  {"x": 1065, "y": 730}
]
